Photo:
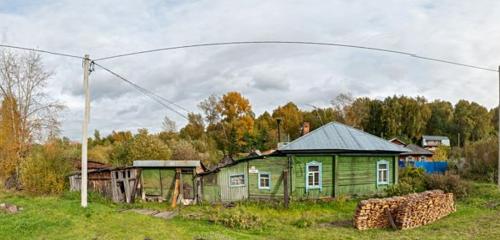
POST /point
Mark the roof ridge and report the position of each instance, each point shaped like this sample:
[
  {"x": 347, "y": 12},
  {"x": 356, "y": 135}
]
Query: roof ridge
[{"x": 308, "y": 134}]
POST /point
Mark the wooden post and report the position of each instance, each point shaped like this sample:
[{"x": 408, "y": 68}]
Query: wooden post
[
  {"x": 285, "y": 187},
  {"x": 176, "y": 188},
  {"x": 181, "y": 187}
]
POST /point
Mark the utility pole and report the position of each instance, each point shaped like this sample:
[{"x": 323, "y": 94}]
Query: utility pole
[{"x": 86, "y": 73}]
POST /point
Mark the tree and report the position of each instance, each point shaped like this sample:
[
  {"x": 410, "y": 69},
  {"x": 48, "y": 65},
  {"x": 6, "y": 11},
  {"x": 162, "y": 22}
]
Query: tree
[
  {"x": 24, "y": 78},
  {"x": 472, "y": 121},
  {"x": 441, "y": 118},
  {"x": 210, "y": 106},
  {"x": 292, "y": 119},
  {"x": 341, "y": 103},
  {"x": 195, "y": 127},
  {"x": 142, "y": 146},
  {"x": 357, "y": 114},
  {"x": 168, "y": 125},
  {"x": 183, "y": 150},
  {"x": 9, "y": 139}
]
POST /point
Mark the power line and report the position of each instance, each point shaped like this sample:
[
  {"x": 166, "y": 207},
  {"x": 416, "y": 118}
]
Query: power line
[
  {"x": 301, "y": 43},
  {"x": 145, "y": 91},
  {"x": 41, "y": 51}
]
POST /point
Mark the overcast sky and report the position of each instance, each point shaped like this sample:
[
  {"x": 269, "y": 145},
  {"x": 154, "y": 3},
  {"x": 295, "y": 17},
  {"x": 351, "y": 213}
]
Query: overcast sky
[{"x": 269, "y": 75}]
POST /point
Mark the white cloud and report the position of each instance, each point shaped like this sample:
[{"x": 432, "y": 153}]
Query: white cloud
[{"x": 268, "y": 75}]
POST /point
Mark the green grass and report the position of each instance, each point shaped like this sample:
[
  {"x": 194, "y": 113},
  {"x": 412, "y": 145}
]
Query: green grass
[{"x": 477, "y": 217}]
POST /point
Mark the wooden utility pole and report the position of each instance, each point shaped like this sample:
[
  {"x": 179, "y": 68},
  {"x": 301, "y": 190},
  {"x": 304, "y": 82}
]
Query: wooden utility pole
[{"x": 86, "y": 72}]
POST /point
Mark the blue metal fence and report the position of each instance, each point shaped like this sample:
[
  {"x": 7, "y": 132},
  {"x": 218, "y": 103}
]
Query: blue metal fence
[{"x": 429, "y": 167}]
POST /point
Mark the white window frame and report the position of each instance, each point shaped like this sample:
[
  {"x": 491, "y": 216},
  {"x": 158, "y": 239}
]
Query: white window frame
[
  {"x": 320, "y": 184},
  {"x": 387, "y": 172},
  {"x": 238, "y": 185},
  {"x": 269, "y": 181}
]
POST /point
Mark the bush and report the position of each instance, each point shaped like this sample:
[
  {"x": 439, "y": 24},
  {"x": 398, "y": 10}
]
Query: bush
[
  {"x": 411, "y": 180},
  {"x": 237, "y": 218},
  {"x": 448, "y": 183},
  {"x": 44, "y": 172},
  {"x": 481, "y": 160}
]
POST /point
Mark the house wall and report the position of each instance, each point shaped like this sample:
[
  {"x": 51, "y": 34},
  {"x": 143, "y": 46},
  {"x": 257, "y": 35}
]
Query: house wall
[
  {"x": 210, "y": 188},
  {"x": 358, "y": 174},
  {"x": 299, "y": 190},
  {"x": 233, "y": 193},
  {"x": 272, "y": 165}
]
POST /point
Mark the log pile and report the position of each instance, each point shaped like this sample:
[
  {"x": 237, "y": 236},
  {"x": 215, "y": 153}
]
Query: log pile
[
  {"x": 424, "y": 208},
  {"x": 403, "y": 212}
]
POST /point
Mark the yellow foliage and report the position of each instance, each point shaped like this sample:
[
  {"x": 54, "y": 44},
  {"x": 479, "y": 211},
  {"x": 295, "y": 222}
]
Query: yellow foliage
[
  {"x": 44, "y": 172},
  {"x": 10, "y": 131}
]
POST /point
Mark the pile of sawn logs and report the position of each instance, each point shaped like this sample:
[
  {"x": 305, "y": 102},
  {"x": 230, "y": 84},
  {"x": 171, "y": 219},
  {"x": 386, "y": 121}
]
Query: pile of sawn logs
[{"x": 404, "y": 212}]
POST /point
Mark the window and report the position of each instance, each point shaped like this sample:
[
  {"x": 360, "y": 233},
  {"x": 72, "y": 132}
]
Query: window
[
  {"x": 264, "y": 181},
  {"x": 382, "y": 172},
  {"x": 423, "y": 158},
  {"x": 237, "y": 180},
  {"x": 313, "y": 175}
]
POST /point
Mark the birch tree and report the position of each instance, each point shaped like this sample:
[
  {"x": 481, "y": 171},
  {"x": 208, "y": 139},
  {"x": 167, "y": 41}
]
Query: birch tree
[{"x": 24, "y": 78}]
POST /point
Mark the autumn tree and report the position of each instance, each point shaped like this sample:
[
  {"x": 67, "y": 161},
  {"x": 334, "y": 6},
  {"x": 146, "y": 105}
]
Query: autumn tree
[
  {"x": 23, "y": 78},
  {"x": 195, "y": 127},
  {"x": 471, "y": 120},
  {"x": 292, "y": 119},
  {"x": 9, "y": 139}
]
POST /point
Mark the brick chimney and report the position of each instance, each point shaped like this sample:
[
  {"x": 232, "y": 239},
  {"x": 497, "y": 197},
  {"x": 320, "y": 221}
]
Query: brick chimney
[{"x": 305, "y": 128}]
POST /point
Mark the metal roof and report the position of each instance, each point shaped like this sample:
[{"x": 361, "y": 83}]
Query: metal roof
[
  {"x": 417, "y": 150},
  {"x": 434, "y": 138},
  {"x": 167, "y": 163},
  {"x": 339, "y": 137}
]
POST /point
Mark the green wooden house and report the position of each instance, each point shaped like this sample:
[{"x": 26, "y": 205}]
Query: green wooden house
[{"x": 330, "y": 161}]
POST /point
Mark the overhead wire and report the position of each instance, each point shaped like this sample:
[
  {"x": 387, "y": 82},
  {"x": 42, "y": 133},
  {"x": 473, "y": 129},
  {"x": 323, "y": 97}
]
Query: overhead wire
[
  {"x": 297, "y": 42},
  {"x": 41, "y": 51},
  {"x": 146, "y": 92}
]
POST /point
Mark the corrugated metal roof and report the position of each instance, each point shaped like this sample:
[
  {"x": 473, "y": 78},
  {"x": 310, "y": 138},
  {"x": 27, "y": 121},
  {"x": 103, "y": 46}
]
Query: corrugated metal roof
[
  {"x": 434, "y": 138},
  {"x": 167, "y": 163},
  {"x": 337, "y": 136},
  {"x": 417, "y": 150}
]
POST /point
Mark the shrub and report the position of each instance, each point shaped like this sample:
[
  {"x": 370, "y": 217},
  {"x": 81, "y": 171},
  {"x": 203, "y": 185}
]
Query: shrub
[
  {"x": 481, "y": 160},
  {"x": 411, "y": 180},
  {"x": 44, "y": 172},
  {"x": 237, "y": 218},
  {"x": 399, "y": 189},
  {"x": 448, "y": 183}
]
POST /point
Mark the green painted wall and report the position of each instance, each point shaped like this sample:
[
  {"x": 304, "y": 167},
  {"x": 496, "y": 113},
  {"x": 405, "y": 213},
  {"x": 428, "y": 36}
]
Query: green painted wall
[
  {"x": 211, "y": 189},
  {"x": 358, "y": 174},
  {"x": 161, "y": 182},
  {"x": 272, "y": 165},
  {"x": 299, "y": 176},
  {"x": 230, "y": 193}
]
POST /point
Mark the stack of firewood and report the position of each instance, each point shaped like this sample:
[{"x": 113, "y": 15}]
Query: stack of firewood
[
  {"x": 373, "y": 213},
  {"x": 424, "y": 208},
  {"x": 403, "y": 212}
]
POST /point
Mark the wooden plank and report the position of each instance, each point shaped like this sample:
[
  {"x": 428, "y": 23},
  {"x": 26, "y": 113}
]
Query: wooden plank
[{"x": 176, "y": 189}]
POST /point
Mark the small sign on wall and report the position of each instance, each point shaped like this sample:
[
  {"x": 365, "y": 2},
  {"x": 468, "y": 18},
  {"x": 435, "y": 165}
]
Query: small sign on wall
[{"x": 252, "y": 169}]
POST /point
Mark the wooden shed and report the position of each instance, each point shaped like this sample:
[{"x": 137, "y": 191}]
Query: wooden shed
[
  {"x": 166, "y": 180},
  {"x": 118, "y": 184},
  {"x": 330, "y": 161}
]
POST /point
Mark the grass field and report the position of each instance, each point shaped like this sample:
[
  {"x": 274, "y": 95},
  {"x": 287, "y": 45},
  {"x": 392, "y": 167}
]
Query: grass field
[{"x": 477, "y": 217}]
